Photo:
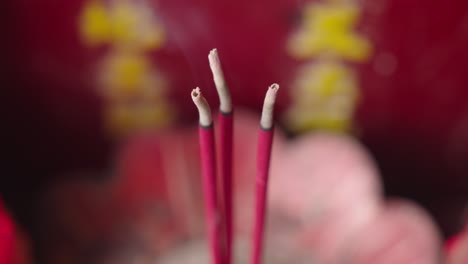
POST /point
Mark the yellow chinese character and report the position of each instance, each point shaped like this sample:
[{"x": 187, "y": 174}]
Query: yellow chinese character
[
  {"x": 324, "y": 95},
  {"x": 126, "y": 118},
  {"x": 134, "y": 26},
  {"x": 122, "y": 23},
  {"x": 329, "y": 29},
  {"x": 95, "y": 24},
  {"x": 124, "y": 74},
  {"x": 132, "y": 87}
]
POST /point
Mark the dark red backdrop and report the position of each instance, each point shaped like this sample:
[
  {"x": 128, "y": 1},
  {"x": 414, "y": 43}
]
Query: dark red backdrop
[{"x": 415, "y": 121}]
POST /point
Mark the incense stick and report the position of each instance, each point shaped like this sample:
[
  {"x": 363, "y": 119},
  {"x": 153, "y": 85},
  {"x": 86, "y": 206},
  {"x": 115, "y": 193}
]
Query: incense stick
[
  {"x": 226, "y": 127},
  {"x": 207, "y": 151},
  {"x": 218, "y": 77},
  {"x": 265, "y": 139}
]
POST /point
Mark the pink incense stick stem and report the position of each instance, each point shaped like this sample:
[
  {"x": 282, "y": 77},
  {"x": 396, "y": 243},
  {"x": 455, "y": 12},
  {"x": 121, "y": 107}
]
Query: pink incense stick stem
[
  {"x": 226, "y": 128},
  {"x": 226, "y": 134},
  {"x": 208, "y": 162},
  {"x": 209, "y": 188},
  {"x": 265, "y": 140}
]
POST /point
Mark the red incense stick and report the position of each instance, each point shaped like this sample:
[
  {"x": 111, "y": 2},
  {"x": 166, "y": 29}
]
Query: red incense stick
[
  {"x": 265, "y": 139},
  {"x": 207, "y": 151},
  {"x": 226, "y": 127}
]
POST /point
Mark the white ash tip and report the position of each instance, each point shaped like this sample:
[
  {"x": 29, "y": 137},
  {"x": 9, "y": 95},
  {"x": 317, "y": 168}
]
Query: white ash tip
[
  {"x": 196, "y": 93},
  {"x": 274, "y": 87},
  {"x": 270, "y": 96},
  {"x": 213, "y": 52},
  {"x": 203, "y": 107},
  {"x": 214, "y": 61},
  {"x": 218, "y": 78},
  {"x": 266, "y": 121}
]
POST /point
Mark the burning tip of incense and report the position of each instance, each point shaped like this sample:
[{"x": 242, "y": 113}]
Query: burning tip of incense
[
  {"x": 266, "y": 121},
  {"x": 213, "y": 58},
  {"x": 196, "y": 93},
  {"x": 274, "y": 87},
  {"x": 220, "y": 83},
  {"x": 203, "y": 107},
  {"x": 270, "y": 96},
  {"x": 213, "y": 52}
]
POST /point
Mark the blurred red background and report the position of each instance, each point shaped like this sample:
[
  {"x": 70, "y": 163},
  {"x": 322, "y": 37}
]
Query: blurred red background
[{"x": 414, "y": 121}]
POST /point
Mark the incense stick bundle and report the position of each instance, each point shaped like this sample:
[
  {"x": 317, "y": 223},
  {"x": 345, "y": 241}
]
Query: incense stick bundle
[
  {"x": 207, "y": 151},
  {"x": 265, "y": 139},
  {"x": 226, "y": 127}
]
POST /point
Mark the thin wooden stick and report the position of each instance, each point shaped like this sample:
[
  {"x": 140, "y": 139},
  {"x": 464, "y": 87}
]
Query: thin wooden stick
[
  {"x": 265, "y": 140},
  {"x": 207, "y": 151},
  {"x": 226, "y": 130}
]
